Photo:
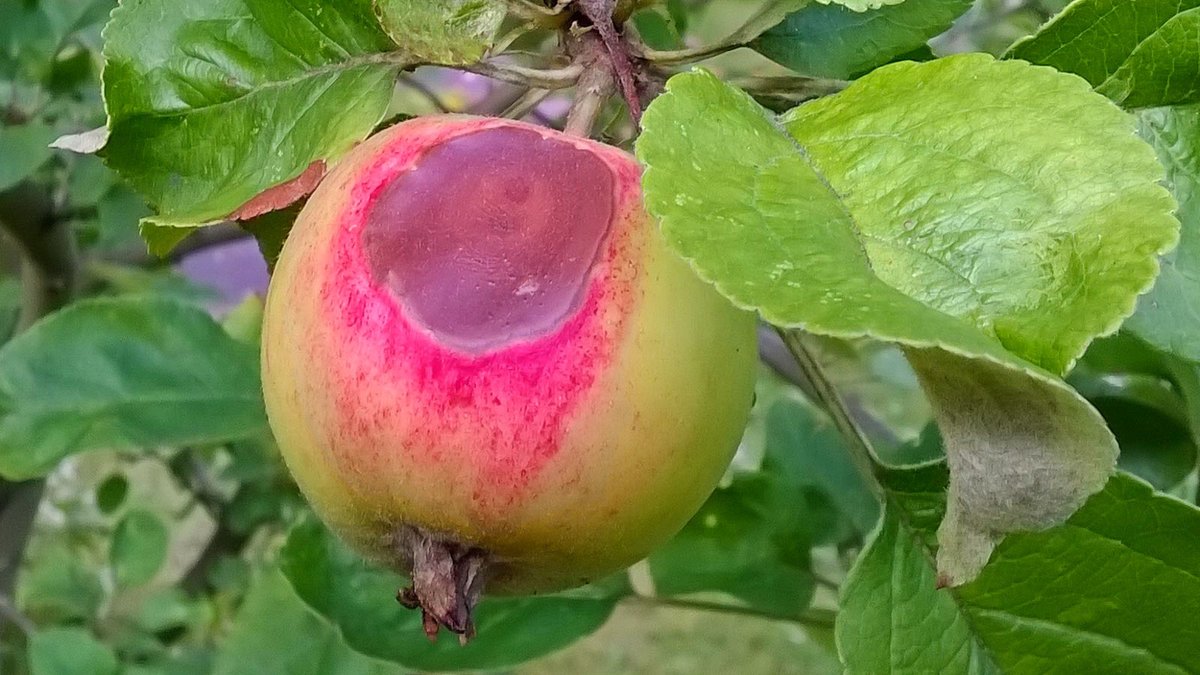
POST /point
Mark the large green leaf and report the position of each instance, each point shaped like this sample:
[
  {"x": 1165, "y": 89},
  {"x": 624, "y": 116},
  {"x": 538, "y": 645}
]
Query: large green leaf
[
  {"x": 1114, "y": 590},
  {"x": 441, "y": 31},
  {"x": 212, "y": 102},
  {"x": 272, "y": 620},
  {"x": 1141, "y": 54},
  {"x": 925, "y": 205},
  {"x": 122, "y": 374},
  {"x": 360, "y": 600},
  {"x": 1169, "y": 316},
  {"x": 834, "y": 41}
]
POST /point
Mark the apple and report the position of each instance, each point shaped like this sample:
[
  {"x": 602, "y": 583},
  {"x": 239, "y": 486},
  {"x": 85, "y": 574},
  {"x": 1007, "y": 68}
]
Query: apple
[{"x": 484, "y": 365}]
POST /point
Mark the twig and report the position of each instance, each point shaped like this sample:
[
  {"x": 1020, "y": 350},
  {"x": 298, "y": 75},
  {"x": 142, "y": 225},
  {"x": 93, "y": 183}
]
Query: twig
[
  {"x": 525, "y": 104},
  {"x": 857, "y": 445},
  {"x": 595, "y": 85},
  {"x": 794, "y": 89},
  {"x": 16, "y": 617},
  {"x": 600, "y": 12},
  {"x": 559, "y": 78},
  {"x": 816, "y": 618}
]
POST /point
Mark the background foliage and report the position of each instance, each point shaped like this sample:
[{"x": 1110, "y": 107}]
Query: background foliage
[{"x": 148, "y": 526}]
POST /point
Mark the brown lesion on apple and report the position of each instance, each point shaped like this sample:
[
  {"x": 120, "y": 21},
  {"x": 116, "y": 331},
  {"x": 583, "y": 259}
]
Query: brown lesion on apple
[
  {"x": 491, "y": 237},
  {"x": 447, "y": 581}
]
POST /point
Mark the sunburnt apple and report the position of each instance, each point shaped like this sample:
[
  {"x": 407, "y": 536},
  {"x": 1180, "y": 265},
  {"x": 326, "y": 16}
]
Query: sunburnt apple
[{"x": 483, "y": 364}]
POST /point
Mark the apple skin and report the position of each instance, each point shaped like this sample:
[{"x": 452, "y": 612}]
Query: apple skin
[{"x": 565, "y": 456}]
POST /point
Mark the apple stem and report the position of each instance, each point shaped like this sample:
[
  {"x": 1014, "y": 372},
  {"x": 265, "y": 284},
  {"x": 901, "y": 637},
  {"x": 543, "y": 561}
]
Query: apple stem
[{"x": 447, "y": 582}]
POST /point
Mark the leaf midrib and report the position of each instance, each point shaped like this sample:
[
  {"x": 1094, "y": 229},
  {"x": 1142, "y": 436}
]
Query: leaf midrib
[{"x": 392, "y": 59}]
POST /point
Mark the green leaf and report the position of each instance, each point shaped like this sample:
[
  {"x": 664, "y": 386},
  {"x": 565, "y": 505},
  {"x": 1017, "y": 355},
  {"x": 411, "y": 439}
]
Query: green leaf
[
  {"x": 273, "y": 620},
  {"x": 657, "y": 28},
  {"x": 244, "y": 322},
  {"x": 1169, "y": 316},
  {"x": 1139, "y": 54},
  {"x": 834, "y": 41},
  {"x": 441, "y": 31},
  {"x": 750, "y": 540},
  {"x": 1111, "y": 591},
  {"x": 59, "y": 585},
  {"x": 360, "y": 600},
  {"x": 211, "y": 103},
  {"x": 23, "y": 149},
  {"x": 805, "y": 451},
  {"x": 33, "y": 33},
  {"x": 123, "y": 374},
  {"x": 890, "y": 620},
  {"x": 10, "y": 307},
  {"x": 271, "y": 230},
  {"x": 69, "y": 651},
  {"x": 924, "y": 206},
  {"x": 1136, "y": 392},
  {"x": 860, "y": 5},
  {"x": 139, "y": 547}
]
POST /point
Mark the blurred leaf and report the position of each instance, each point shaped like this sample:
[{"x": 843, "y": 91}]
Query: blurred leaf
[
  {"x": 70, "y": 651},
  {"x": 656, "y": 27},
  {"x": 441, "y": 31},
  {"x": 745, "y": 541},
  {"x": 1155, "y": 438},
  {"x": 139, "y": 547},
  {"x": 1145, "y": 402},
  {"x": 162, "y": 283},
  {"x": 60, "y": 585},
  {"x": 110, "y": 495},
  {"x": 803, "y": 445},
  {"x": 123, "y": 373},
  {"x": 1168, "y": 317},
  {"x": 860, "y": 5},
  {"x": 23, "y": 149},
  {"x": 297, "y": 83},
  {"x": 360, "y": 600},
  {"x": 88, "y": 181},
  {"x": 117, "y": 216},
  {"x": 1139, "y": 54},
  {"x": 1154, "y": 446},
  {"x": 33, "y": 32},
  {"x": 273, "y": 620},
  {"x": 271, "y": 230},
  {"x": 244, "y": 322},
  {"x": 166, "y": 609},
  {"x": 1111, "y": 591},
  {"x": 911, "y": 208},
  {"x": 71, "y": 70},
  {"x": 833, "y": 41},
  {"x": 10, "y": 307}
]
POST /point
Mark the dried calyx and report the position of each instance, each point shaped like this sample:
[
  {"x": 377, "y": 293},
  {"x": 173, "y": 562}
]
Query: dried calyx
[{"x": 447, "y": 581}]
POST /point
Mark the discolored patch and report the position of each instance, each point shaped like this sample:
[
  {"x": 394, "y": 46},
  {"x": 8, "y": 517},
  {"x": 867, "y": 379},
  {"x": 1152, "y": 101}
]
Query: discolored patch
[{"x": 490, "y": 237}]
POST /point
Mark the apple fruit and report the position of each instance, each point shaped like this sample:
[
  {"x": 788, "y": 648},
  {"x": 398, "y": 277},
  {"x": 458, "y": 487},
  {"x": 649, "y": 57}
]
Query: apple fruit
[{"x": 484, "y": 365}]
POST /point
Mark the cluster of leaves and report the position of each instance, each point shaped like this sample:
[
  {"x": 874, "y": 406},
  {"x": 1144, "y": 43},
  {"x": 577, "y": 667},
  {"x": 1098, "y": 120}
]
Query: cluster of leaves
[{"x": 946, "y": 236}]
